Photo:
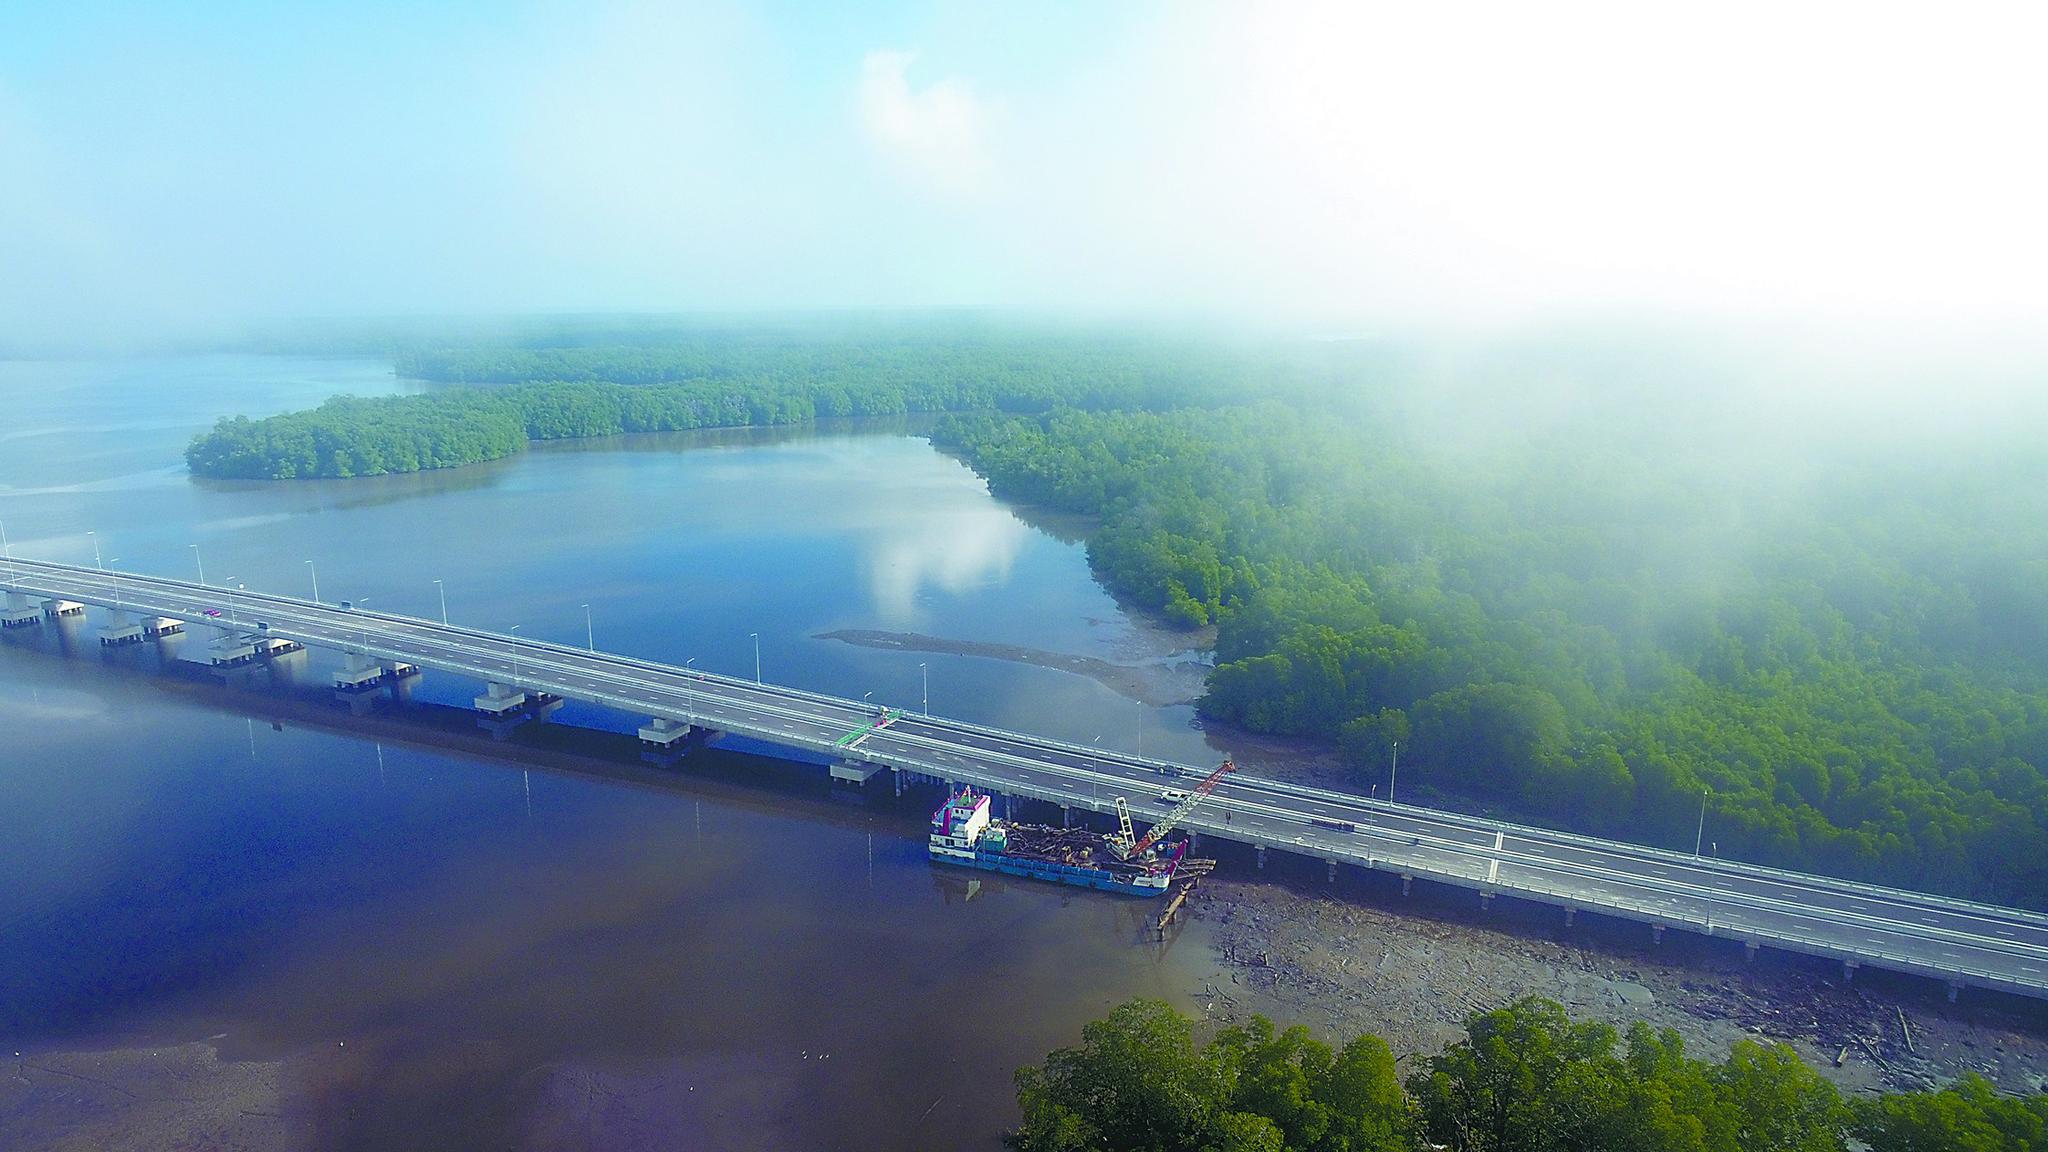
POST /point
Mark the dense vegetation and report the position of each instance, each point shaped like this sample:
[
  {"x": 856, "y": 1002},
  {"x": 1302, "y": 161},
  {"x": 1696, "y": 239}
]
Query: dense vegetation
[
  {"x": 708, "y": 381},
  {"x": 1600, "y": 629},
  {"x": 1526, "y": 1078}
]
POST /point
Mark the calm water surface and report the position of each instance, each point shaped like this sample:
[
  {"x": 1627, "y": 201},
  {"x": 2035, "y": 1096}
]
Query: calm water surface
[{"x": 453, "y": 951}]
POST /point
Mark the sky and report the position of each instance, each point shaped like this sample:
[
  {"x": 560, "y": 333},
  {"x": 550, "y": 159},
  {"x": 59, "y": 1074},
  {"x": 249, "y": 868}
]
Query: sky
[{"x": 169, "y": 167}]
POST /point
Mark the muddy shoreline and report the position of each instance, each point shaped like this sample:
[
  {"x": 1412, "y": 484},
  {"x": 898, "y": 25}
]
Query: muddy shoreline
[{"x": 1171, "y": 678}]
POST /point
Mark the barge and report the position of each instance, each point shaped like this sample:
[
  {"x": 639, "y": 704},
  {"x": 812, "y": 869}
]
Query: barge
[{"x": 964, "y": 833}]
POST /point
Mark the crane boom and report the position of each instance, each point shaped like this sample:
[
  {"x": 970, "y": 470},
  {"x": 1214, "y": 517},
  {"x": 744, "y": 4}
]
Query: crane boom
[{"x": 1180, "y": 811}]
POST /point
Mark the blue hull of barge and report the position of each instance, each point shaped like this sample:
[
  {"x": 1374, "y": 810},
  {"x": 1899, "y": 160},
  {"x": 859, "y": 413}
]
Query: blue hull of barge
[{"x": 1045, "y": 870}]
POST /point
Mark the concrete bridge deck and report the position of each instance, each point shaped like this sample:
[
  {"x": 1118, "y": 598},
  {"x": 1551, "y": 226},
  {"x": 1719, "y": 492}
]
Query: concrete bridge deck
[{"x": 1960, "y": 942}]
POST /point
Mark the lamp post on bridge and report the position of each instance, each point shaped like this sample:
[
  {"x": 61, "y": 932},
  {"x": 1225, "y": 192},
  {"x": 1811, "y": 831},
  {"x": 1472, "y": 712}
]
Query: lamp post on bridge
[
  {"x": 1394, "y": 772},
  {"x": 117, "y": 585},
  {"x": 756, "y": 637},
  {"x": 199, "y": 562},
  {"x": 926, "y": 704},
  {"x": 443, "y": 590},
  {"x": 7, "y": 550},
  {"x": 363, "y": 625},
  {"x": 515, "y": 656},
  {"x": 316, "y": 580},
  {"x": 589, "y": 631},
  {"x": 1701, "y": 831},
  {"x": 95, "y": 538}
]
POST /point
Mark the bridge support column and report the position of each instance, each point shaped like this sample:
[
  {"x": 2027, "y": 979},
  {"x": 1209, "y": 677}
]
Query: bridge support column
[
  {"x": 1955, "y": 988},
  {"x": 1569, "y": 912},
  {"x": 1066, "y": 816},
  {"x": 1749, "y": 950},
  {"x": 358, "y": 673},
  {"x": 230, "y": 648},
  {"x": 1333, "y": 871},
  {"x": 1261, "y": 848},
  {"x": 1656, "y": 933},
  {"x": 1849, "y": 968},
  {"x": 664, "y": 733},
  {"x": 163, "y": 626},
  {"x": 855, "y": 771},
  {"x": 1407, "y": 883},
  {"x": 1486, "y": 901},
  {"x": 54, "y": 608},
  {"x": 19, "y": 613},
  {"x": 499, "y": 699},
  {"x": 123, "y": 629}
]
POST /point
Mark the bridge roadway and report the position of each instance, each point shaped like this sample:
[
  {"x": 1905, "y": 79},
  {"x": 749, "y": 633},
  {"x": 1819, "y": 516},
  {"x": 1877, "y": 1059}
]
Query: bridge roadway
[{"x": 1959, "y": 942}]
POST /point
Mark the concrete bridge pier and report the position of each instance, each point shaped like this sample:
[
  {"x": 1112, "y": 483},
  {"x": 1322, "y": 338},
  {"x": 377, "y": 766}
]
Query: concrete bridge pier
[
  {"x": 122, "y": 630},
  {"x": 664, "y": 733},
  {"x": 160, "y": 626},
  {"x": 1656, "y": 933},
  {"x": 1333, "y": 870},
  {"x": 54, "y": 608},
  {"x": 1749, "y": 951},
  {"x": 855, "y": 771},
  {"x": 1849, "y": 968},
  {"x": 19, "y": 613},
  {"x": 1262, "y": 854},
  {"x": 1407, "y": 883},
  {"x": 1569, "y": 912},
  {"x": 1955, "y": 988},
  {"x": 230, "y": 648},
  {"x": 358, "y": 673},
  {"x": 1485, "y": 901},
  {"x": 498, "y": 699},
  {"x": 356, "y": 683}
]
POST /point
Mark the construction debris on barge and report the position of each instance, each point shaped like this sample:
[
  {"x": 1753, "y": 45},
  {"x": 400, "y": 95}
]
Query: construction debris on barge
[{"x": 965, "y": 833}]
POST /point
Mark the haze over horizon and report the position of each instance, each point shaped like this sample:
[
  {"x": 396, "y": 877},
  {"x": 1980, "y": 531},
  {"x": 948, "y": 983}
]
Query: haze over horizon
[{"x": 178, "y": 171}]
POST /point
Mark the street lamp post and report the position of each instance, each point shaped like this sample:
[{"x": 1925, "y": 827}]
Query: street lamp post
[
  {"x": 443, "y": 590},
  {"x": 926, "y": 674},
  {"x": 316, "y": 580},
  {"x": 95, "y": 550},
  {"x": 1394, "y": 773},
  {"x": 199, "y": 562},
  {"x": 117, "y": 585},
  {"x": 589, "y": 631},
  {"x": 756, "y": 637},
  {"x": 515, "y": 656},
  {"x": 7, "y": 550},
  {"x": 1702, "y": 829},
  {"x": 364, "y": 634}
]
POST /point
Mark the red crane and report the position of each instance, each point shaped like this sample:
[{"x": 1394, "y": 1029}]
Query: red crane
[{"x": 1195, "y": 796}]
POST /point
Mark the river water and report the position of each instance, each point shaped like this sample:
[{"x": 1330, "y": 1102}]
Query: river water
[{"x": 390, "y": 945}]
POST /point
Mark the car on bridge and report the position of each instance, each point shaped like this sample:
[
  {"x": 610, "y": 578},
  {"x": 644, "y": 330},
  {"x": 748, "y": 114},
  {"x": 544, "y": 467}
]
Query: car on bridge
[{"x": 213, "y": 612}]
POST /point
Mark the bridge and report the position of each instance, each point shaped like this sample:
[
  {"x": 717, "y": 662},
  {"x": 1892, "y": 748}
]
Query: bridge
[{"x": 1958, "y": 942}]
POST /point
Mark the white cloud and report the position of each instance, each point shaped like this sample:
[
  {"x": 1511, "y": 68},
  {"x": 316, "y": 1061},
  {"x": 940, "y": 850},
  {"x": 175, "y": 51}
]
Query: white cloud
[{"x": 935, "y": 132}]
